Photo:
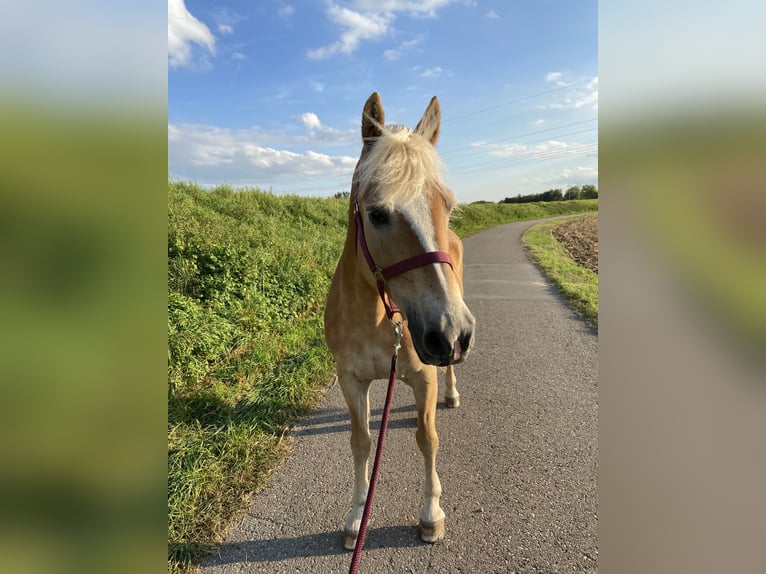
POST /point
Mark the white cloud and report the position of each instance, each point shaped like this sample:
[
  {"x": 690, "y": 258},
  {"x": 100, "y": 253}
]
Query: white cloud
[
  {"x": 426, "y": 8},
  {"x": 507, "y": 150},
  {"x": 434, "y": 72},
  {"x": 549, "y": 146},
  {"x": 310, "y": 120},
  {"x": 183, "y": 31},
  {"x": 211, "y": 155},
  {"x": 326, "y": 135},
  {"x": 580, "y": 96},
  {"x": 357, "y": 26},
  {"x": 552, "y": 76},
  {"x": 492, "y": 14},
  {"x": 225, "y": 29},
  {"x": 401, "y": 49},
  {"x": 537, "y": 122},
  {"x": 238, "y": 56},
  {"x": 371, "y": 20},
  {"x": 579, "y": 173},
  {"x": 589, "y": 99}
]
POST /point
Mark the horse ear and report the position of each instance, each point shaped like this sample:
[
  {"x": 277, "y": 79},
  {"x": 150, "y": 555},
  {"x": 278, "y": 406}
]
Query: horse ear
[
  {"x": 430, "y": 124},
  {"x": 373, "y": 118}
]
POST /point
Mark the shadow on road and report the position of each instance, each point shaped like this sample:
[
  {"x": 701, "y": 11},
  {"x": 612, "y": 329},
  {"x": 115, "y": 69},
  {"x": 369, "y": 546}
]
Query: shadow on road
[
  {"x": 336, "y": 420},
  {"x": 321, "y": 544}
]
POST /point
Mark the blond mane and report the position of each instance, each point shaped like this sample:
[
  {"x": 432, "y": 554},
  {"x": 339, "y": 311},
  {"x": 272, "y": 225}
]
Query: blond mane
[{"x": 399, "y": 166}]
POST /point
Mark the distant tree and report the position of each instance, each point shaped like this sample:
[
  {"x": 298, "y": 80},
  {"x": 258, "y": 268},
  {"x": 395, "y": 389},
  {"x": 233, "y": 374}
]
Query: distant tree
[
  {"x": 589, "y": 192},
  {"x": 342, "y": 195},
  {"x": 552, "y": 195},
  {"x": 573, "y": 192}
]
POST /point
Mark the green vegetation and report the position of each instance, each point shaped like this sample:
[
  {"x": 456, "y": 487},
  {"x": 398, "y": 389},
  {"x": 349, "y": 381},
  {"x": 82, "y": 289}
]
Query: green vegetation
[
  {"x": 574, "y": 192},
  {"x": 470, "y": 219},
  {"x": 248, "y": 274},
  {"x": 578, "y": 284}
]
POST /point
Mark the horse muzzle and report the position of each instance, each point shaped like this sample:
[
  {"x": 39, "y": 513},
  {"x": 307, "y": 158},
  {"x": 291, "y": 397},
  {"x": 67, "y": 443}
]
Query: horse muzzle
[{"x": 442, "y": 343}]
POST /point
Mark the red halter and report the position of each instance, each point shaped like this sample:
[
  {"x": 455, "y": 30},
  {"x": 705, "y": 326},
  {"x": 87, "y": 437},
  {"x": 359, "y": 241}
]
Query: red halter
[{"x": 382, "y": 276}]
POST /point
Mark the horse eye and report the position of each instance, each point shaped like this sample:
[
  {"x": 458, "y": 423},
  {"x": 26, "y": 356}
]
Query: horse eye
[{"x": 378, "y": 216}]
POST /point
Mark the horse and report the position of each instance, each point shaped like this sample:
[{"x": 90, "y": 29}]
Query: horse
[{"x": 398, "y": 217}]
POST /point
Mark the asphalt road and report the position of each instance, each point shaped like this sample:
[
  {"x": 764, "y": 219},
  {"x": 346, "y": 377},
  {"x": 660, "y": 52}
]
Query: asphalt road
[{"x": 518, "y": 461}]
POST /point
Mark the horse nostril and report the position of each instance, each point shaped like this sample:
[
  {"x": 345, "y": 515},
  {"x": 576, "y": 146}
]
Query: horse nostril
[
  {"x": 465, "y": 341},
  {"x": 437, "y": 344}
]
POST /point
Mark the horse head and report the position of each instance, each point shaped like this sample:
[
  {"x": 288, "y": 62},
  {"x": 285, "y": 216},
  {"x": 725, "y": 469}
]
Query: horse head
[{"x": 404, "y": 210}]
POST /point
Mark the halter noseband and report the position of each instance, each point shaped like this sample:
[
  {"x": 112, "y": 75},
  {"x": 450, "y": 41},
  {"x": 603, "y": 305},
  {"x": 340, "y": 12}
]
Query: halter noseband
[{"x": 382, "y": 276}]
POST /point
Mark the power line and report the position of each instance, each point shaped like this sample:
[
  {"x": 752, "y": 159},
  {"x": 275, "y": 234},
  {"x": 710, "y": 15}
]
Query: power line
[
  {"x": 479, "y": 150},
  {"x": 513, "y": 162},
  {"x": 448, "y": 152},
  {"x": 525, "y": 98},
  {"x": 570, "y": 151}
]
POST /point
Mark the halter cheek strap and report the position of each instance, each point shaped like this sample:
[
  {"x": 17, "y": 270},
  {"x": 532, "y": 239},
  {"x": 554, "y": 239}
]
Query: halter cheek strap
[{"x": 382, "y": 276}]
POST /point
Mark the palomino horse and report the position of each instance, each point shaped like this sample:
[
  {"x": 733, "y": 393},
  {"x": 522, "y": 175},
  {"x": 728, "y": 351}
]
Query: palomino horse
[{"x": 399, "y": 212}]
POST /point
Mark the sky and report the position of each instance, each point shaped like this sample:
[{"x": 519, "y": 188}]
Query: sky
[{"x": 269, "y": 94}]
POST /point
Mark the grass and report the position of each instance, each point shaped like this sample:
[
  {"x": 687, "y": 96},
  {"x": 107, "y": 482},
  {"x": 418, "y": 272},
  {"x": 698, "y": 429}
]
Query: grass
[
  {"x": 248, "y": 274},
  {"x": 577, "y": 284},
  {"x": 470, "y": 219},
  {"x": 247, "y": 277}
]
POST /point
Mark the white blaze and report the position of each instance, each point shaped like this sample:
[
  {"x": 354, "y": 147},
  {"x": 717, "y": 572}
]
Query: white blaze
[{"x": 418, "y": 213}]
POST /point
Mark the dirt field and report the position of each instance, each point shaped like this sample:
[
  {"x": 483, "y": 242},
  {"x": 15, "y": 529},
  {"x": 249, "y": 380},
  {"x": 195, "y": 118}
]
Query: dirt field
[{"x": 580, "y": 238}]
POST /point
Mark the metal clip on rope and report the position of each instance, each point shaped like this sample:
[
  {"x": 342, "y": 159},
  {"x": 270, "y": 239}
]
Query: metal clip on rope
[{"x": 398, "y": 331}]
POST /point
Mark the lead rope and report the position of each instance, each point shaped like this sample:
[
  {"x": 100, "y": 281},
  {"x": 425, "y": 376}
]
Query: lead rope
[{"x": 378, "y": 454}]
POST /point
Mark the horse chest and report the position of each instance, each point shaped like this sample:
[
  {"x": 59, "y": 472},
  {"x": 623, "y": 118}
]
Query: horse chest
[{"x": 371, "y": 361}]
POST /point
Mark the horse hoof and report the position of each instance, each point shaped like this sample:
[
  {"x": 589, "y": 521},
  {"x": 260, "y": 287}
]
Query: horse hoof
[
  {"x": 452, "y": 402},
  {"x": 349, "y": 539},
  {"x": 431, "y": 532}
]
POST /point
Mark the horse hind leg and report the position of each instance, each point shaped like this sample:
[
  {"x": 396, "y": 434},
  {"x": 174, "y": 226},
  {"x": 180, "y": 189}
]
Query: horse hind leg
[
  {"x": 451, "y": 396},
  {"x": 426, "y": 391},
  {"x": 356, "y": 394}
]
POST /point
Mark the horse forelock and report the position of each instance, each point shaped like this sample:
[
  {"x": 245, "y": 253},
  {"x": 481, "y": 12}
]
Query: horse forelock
[{"x": 399, "y": 166}]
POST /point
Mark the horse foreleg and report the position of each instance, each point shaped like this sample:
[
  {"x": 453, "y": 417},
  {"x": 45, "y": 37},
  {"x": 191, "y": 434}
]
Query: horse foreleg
[
  {"x": 356, "y": 393},
  {"x": 426, "y": 388},
  {"x": 451, "y": 396}
]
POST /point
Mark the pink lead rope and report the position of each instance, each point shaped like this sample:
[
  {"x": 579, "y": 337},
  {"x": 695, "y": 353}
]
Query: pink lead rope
[{"x": 378, "y": 455}]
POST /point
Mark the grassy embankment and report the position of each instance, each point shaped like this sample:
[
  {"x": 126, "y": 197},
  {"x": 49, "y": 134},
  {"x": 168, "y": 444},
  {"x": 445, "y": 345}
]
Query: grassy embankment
[
  {"x": 248, "y": 273},
  {"x": 577, "y": 284},
  {"x": 470, "y": 219}
]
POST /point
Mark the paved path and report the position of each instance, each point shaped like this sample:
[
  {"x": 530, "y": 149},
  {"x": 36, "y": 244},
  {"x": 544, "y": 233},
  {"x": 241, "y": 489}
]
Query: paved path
[{"x": 518, "y": 460}]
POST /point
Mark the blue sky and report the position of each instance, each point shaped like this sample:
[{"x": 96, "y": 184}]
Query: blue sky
[{"x": 270, "y": 93}]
